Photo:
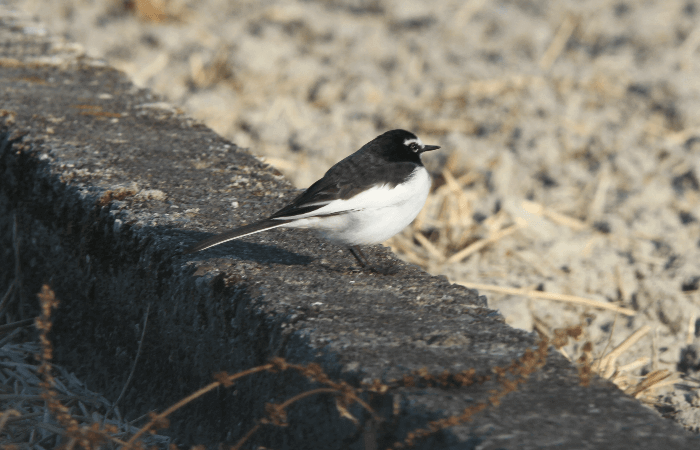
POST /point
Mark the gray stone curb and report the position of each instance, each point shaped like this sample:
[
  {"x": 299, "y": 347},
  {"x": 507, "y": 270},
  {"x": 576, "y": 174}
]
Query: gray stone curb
[{"x": 108, "y": 185}]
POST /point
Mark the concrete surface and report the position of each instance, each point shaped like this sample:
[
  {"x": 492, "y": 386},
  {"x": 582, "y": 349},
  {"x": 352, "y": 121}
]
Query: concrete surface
[{"x": 108, "y": 185}]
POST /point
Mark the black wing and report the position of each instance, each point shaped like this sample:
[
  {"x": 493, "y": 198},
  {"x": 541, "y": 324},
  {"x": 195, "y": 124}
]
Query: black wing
[{"x": 358, "y": 172}]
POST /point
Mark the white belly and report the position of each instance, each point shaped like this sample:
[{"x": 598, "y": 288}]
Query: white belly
[{"x": 372, "y": 216}]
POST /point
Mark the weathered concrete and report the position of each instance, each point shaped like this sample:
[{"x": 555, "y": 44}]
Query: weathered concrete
[{"x": 108, "y": 185}]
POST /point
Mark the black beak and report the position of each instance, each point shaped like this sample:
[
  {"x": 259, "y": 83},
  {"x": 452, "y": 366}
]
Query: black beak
[{"x": 428, "y": 148}]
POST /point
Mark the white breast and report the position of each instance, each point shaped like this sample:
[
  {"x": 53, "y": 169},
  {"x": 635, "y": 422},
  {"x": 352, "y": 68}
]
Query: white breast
[{"x": 372, "y": 216}]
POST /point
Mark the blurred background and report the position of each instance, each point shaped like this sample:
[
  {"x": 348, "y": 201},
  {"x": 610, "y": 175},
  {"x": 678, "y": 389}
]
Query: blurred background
[{"x": 570, "y": 134}]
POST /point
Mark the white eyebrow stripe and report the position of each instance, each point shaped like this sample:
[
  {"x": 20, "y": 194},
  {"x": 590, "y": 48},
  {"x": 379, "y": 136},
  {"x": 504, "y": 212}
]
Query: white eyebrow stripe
[{"x": 408, "y": 142}]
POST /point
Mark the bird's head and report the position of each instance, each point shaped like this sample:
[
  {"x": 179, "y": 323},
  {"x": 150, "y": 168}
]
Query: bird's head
[{"x": 402, "y": 141}]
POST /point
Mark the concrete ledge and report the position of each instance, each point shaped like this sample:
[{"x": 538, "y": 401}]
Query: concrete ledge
[{"x": 108, "y": 185}]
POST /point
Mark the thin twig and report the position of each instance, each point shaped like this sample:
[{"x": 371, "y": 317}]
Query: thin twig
[
  {"x": 478, "y": 245},
  {"x": 607, "y": 364},
  {"x": 558, "y": 43},
  {"x": 558, "y": 218},
  {"x": 690, "y": 337},
  {"x": 548, "y": 296},
  {"x": 246, "y": 437},
  {"x": 636, "y": 364},
  {"x": 688, "y": 47},
  {"x": 648, "y": 382},
  {"x": 192, "y": 397},
  {"x": 5, "y": 416},
  {"x": 307, "y": 394},
  {"x": 434, "y": 252},
  {"x": 597, "y": 367},
  {"x": 133, "y": 367},
  {"x": 18, "y": 271},
  {"x": 7, "y": 295},
  {"x": 10, "y": 337},
  {"x": 16, "y": 324}
]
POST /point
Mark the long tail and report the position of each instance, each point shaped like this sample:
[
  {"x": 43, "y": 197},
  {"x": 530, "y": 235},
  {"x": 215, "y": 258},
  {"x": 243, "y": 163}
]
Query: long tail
[{"x": 253, "y": 228}]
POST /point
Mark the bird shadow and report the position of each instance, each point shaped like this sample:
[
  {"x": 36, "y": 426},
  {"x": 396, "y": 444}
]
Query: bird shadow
[{"x": 252, "y": 251}]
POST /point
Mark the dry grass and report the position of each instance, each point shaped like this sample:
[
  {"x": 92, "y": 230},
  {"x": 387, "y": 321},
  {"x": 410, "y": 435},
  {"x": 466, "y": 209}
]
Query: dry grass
[
  {"x": 646, "y": 388},
  {"x": 571, "y": 299},
  {"x": 48, "y": 413},
  {"x": 50, "y": 418},
  {"x": 445, "y": 236},
  {"x": 453, "y": 226},
  {"x": 42, "y": 408},
  {"x": 155, "y": 11}
]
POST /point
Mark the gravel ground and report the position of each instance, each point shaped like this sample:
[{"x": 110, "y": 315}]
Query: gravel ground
[{"x": 570, "y": 134}]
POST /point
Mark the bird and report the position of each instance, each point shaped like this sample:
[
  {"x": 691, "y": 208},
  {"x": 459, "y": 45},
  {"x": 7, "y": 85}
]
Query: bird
[{"x": 364, "y": 199}]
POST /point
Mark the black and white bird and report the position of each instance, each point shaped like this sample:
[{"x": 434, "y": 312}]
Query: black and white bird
[{"x": 364, "y": 199}]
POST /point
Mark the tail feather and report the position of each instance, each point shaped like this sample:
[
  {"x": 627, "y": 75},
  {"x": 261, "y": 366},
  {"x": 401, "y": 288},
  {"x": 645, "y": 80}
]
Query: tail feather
[{"x": 253, "y": 228}]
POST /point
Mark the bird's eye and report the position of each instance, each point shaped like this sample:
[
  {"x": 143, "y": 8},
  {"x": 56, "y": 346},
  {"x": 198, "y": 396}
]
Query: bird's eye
[{"x": 413, "y": 146}]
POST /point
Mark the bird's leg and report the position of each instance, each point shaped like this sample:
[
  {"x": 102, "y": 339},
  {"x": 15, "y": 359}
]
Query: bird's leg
[
  {"x": 364, "y": 262},
  {"x": 359, "y": 256}
]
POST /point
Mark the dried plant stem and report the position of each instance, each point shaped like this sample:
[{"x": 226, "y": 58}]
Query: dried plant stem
[
  {"x": 690, "y": 337},
  {"x": 11, "y": 326},
  {"x": 18, "y": 262},
  {"x": 133, "y": 366},
  {"x": 607, "y": 364},
  {"x": 5, "y": 297},
  {"x": 558, "y": 218},
  {"x": 5, "y": 416},
  {"x": 599, "y": 360},
  {"x": 519, "y": 370},
  {"x": 672, "y": 379},
  {"x": 558, "y": 43},
  {"x": 649, "y": 381},
  {"x": 636, "y": 364},
  {"x": 246, "y": 437},
  {"x": 548, "y": 296},
  {"x": 307, "y": 394},
  {"x": 478, "y": 245},
  {"x": 193, "y": 396},
  {"x": 434, "y": 252}
]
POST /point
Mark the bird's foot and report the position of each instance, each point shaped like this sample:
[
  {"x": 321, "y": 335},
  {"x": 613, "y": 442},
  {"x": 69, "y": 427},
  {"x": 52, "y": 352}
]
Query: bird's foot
[
  {"x": 390, "y": 270},
  {"x": 364, "y": 263}
]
